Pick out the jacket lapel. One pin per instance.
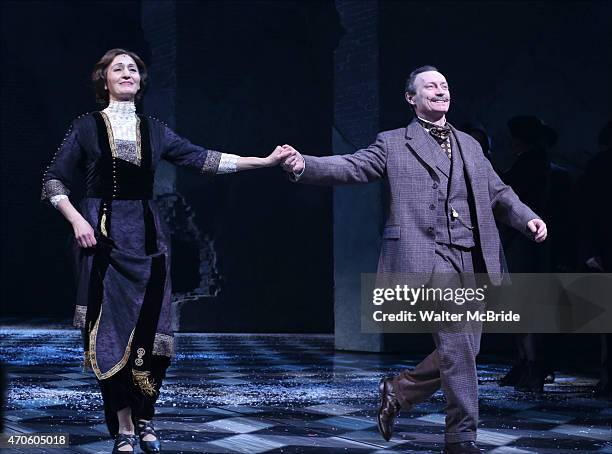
(417, 142)
(467, 154)
(455, 163)
(443, 164)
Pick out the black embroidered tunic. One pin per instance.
(123, 283)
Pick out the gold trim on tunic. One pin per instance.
(211, 162)
(163, 345)
(80, 313)
(94, 359)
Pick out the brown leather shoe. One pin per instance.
(463, 447)
(389, 408)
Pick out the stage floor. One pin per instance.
(284, 393)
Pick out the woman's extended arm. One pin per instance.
(250, 163)
(180, 151)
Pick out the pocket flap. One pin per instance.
(391, 231)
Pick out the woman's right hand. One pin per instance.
(83, 233)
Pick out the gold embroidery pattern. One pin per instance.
(103, 224)
(86, 361)
(138, 141)
(126, 151)
(109, 131)
(143, 380)
(111, 138)
(111, 141)
(139, 361)
(53, 187)
(163, 345)
(79, 316)
(92, 353)
(211, 163)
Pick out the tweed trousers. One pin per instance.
(452, 365)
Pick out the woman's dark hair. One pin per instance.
(98, 76)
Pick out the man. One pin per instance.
(442, 194)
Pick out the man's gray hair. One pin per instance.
(410, 89)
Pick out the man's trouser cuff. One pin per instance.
(458, 437)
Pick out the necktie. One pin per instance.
(442, 135)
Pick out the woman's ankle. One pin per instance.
(126, 430)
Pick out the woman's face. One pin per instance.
(122, 78)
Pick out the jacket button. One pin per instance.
(430, 229)
(435, 185)
(432, 207)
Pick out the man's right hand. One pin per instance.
(294, 162)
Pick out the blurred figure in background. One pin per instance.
(478, 132)
(547, 187)
(595, 249)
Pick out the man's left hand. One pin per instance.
(293, 160)
(538, 228)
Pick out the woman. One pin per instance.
(123, 256)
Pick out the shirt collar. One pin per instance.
(121, 108)
(428, 124)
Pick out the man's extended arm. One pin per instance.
(363, 166)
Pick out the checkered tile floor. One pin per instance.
(284, 393)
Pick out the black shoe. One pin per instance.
(532, 380)
(389, 408)
(513, 376)
(463, 447)
(122, 440)
(145, 428)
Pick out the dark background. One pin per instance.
(246, 76)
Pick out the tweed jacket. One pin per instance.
(404, 160)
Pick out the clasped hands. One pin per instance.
(288, 158)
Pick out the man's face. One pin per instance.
(431, 99)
